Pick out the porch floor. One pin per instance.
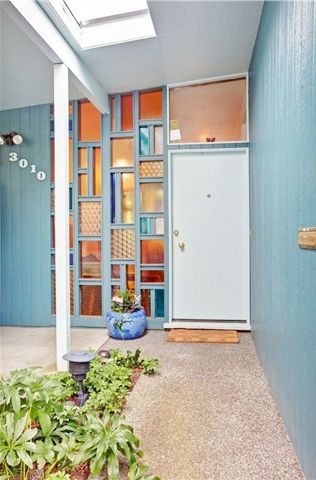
(22, 347)
(208, 414)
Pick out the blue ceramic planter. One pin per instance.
(126, 326)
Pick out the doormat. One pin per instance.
(183, 335)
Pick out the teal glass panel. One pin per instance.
(145, 226)
(144, 141)
(159, 303)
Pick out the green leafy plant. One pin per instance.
(149, 365)
(104, 439)
(16, 444)
(133, 360)
(139, 472)
(58, 476)
(125, 301)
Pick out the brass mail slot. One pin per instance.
(307, 237)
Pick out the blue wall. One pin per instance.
(25, 221)
(283, 198)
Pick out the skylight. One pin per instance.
(96, 23)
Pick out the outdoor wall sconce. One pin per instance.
(12, 138)
(79, 363)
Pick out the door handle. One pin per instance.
(181, 245)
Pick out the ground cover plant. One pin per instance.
(44, 435)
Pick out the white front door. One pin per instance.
(209, 239)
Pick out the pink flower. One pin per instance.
(117, 299)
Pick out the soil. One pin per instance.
(137, 371)
(80, 472)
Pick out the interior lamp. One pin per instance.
(12, 138)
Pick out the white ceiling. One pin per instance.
(195, 39)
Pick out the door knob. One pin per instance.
(175, 233)
(181, 245)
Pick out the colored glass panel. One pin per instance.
(83, 157)
(208, 112)
(115, 272)
(113, 114)
(71, 231)
(151, 169)
(158, 140)
(145, 226)
(146, 301)
(114, 290)
(152, 251)
(83, 184)
(97, 171)
(127, 112)
(152, 276)
(122, 152)
(127, 198)
(150, 105)
(90, 218)
(159, 303)
(151, 198)
(91, 300)
(159, 226)
(112, 197)
(130, 277)
(143, 141)
(123, 243)
(90, 259)
(52, 199)
(89, 123)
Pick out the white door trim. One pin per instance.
(197, 324)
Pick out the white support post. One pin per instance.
(61, 100)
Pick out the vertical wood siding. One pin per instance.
(283, 198)
(25, 221)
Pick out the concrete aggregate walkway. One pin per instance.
(208, 414)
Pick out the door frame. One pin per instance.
(218, 325)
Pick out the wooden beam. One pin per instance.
(40, 29)
(61, 100)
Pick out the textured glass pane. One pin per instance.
(152, 276)
(83, 184)
(89, 123)
(144, 141)
(151, 169)
(150, 105)
(114, 290)
(52, 160)
(158, 139)
(145, 226)
(70, 198)
(151, 197)
(52, 199)
(123, 243)
(90, 218)
(90, 300)
(52, 231)
(208, 112)
(130, 277)
(127, 112)
(127, 200)
(83, 157)
(52, 259)
(152, 251)
(159, 303)
(122, 152)
(71, 231)
(90, 259)
(97, 171)
(159, 224)
(113, 114)
(112, 197)
(145, 301)
(115, 272)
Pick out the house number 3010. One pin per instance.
(23, 163)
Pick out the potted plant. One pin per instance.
(127, 318)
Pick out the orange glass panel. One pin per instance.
(115, 272)
(127, 200)
(152, 276)
(89, 122)
(152, 251)
(91, 300)
(83, 157)
(90, 259)
(151, 197)
(209, 112)
(122, 152)
(52, 160)
(130, 277)
(97, 171)
(113, 114)
(83, 184)
(145, 301)
(150, 105)
(127, 112)
(71, 231)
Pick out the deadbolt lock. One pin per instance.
(175, 233)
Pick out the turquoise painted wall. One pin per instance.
(283, 198)
(25, 221)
